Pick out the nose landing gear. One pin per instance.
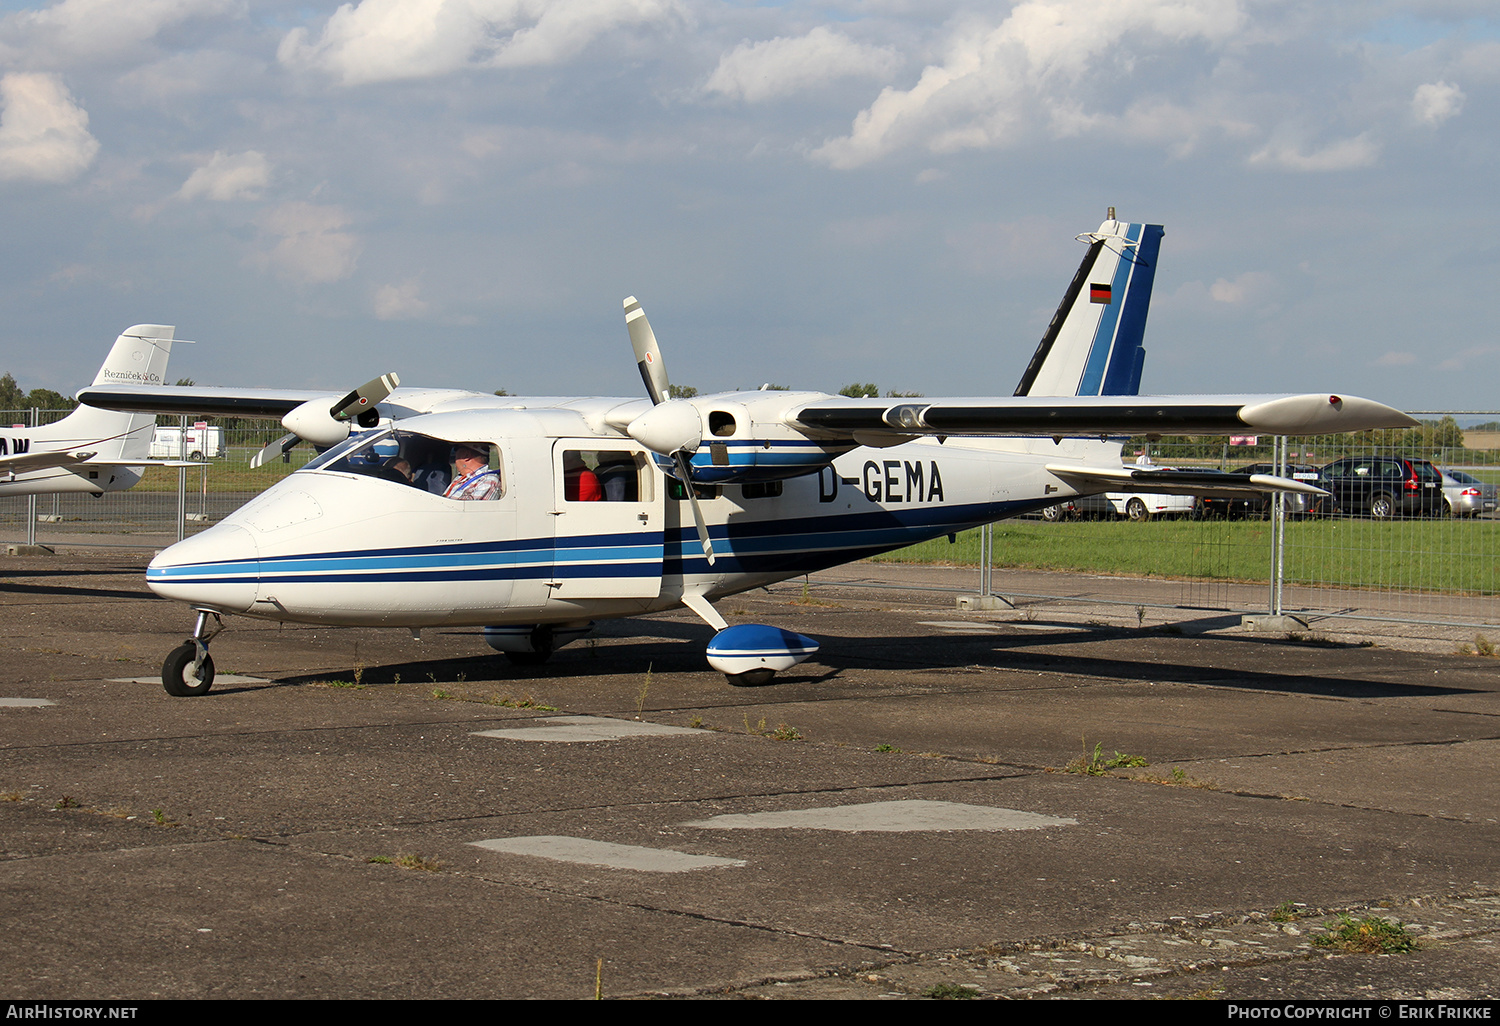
(189, 669)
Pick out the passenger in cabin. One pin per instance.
(472, 476)
(428, 458)
(618, 477)
(400, 466)
(580, 484)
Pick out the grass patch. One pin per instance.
(781, 732)
(1095, 765)
(418, 862)
(1407, 555)
(1482, 647)
(1372, 935)
(1286, 912)
(950, 992)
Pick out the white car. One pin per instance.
(1131, 505)
(1138, 506)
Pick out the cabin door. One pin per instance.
(608, 516)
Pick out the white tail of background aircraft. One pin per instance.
(92, 450)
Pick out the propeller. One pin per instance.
(672, 427)
(328, 425)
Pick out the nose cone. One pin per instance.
(219, 568)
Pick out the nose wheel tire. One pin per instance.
(177, 674)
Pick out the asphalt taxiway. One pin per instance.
(351, 813)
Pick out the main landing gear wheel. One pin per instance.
(178, 676)
(751, 678)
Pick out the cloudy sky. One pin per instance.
(463, 191)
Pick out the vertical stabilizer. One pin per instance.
(139, 357)
(1094, 344)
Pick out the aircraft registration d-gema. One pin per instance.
(594, 508)
(93, 450)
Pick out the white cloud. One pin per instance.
(1244, 288)
(224, 178)
(400, 302)
(74, 31)
(385, 40)
(1396, 359)
(785, 66)
(1343, 155)
(44, 135)
(310, 248)
(1028, 72)
(1436, 102)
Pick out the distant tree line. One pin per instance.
(12, 398)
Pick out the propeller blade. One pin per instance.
(275, 450)
(647, 352)
(685, 472)
(364, 397)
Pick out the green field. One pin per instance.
(229, 473)
(1414, 555)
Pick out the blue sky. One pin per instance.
(463, 191)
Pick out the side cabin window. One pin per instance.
(604, 475)
(678, 493)
(464, 470)
(761, 489)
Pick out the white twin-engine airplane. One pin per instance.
(580, 510)
(93, 450)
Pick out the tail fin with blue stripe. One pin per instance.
(1094, 344)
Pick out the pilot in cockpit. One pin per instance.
(472, 476)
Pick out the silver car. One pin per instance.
(1466, 496)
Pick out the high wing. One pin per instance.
(207, 401)
(1084, 416)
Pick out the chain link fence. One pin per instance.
(1409, 532)
(167, 504)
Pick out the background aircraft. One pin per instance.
(92, 450)
(616, 507)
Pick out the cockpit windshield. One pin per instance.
(412, 459)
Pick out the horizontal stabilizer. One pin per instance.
(1176, 482)
(41, 461)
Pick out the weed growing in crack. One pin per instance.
(1372, 935)
(1096, 765)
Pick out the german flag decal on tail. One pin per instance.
(1099, 292)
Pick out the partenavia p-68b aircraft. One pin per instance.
(93, 450)
(591, 508)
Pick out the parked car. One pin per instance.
(1381, 487)
(1297, 504)
(1465, 495)
(1131, 505)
